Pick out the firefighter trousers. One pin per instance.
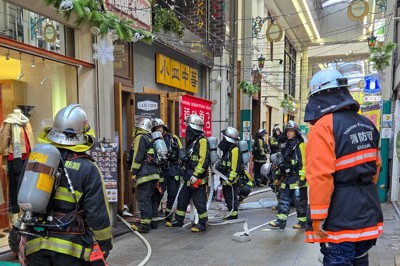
(48, 257)
(289, 197)
(231, 198)
(147, 197)
(171, 185)
(199, 197)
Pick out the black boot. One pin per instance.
(299, 225)
(144, 228)
(199, 228)
(232, 217)
(174, 224)
(278, 223)
(169, 217)
(154, 224)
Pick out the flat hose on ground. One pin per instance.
(144, 240)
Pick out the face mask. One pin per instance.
(191, 133)
(224, 145)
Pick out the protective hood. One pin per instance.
(90, 138)
(329, 101)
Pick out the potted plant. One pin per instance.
(380, 55)
(248, 88)
(167, 20)
(287, 105)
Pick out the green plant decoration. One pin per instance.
(380, 55)
(167, 20)
(248, 88)
(89, 11)
(287, 104)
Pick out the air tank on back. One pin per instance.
(38, 182)
(213, 148)
(244, 150)
(159, 144)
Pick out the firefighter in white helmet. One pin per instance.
(195, 163)
(72, 245)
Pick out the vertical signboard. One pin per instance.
(193, 105)
(163, 69)
(147, 105)
(175, 74)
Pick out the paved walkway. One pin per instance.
(215, 247)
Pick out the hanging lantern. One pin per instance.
(371, 41)
(261, 61)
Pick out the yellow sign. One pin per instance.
(185, 71)
(175, 74)
(358, 9)
(163, 69)
(194, 80)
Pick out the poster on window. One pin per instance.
(193, 105)
(105, 156)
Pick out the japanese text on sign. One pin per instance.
(193, 105)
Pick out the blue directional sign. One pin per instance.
(372, 84)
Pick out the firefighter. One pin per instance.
(146, 172)
(260, 152)
(230, 166)
(292, 180)
(195, 163)
(72, 135)
(274, 144)
(170, 170)
(342, 171)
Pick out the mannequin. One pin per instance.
(16, 142)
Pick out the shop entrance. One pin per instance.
(125, 103)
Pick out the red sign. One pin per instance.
(137, 10)
(193, 105)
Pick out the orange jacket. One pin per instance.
(342, 169)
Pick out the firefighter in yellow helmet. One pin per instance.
(72, 244)
(195, 163)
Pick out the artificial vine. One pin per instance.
(380, 55)
(89, 11)
(248, 88)
(166, 19)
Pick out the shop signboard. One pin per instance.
(194, 105)
(105, 156)
(175, 74)
(136, 10)
(372, 84)
(147, 105)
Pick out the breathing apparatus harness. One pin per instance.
(49, 221)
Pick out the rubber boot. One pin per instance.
(154, 224)
(199, 228)
(144, 228)
(174, 224)
(278, 223)
(299, 225)
(168, 217)
(232, 217)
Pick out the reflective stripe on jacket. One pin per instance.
(343, 165)
(91, 194)
(199, 160)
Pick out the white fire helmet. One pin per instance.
(327, 79)
(231, 134)
(195, 122)
(69, 126)
(144, 123)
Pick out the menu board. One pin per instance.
(105, 156)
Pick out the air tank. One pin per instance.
(244, 150)
(38, 181)
(213, 149)
(159, 144)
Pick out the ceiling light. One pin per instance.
(7, 54)
(33, 62)
(321, 43)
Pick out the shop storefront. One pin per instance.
(39, 76)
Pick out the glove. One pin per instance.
(317, 228)
(133, 177)
(195, 182)
(250, 183)
(302, 181)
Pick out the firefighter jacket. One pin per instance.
(174, 146)
(342, 171)
(197, 160)
(292, 169)
(144, 164)
(230, 165)
(260, 151)
(274, 145)
(92, 218)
